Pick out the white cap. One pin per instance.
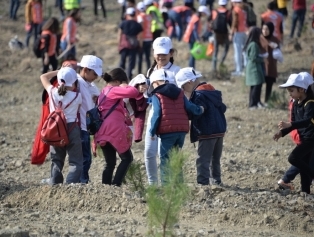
(140, 6)
(139, 79)
(236, 0)
(157, 75)
(68, 75)
(162, 45)
(130, 11)
(91, 62)
(222, 2)
(185, 75)
(203, 9)
(148, 2)
(302, 80)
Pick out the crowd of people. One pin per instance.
(165, 85)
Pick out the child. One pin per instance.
(254, 76)
(114, 136)
(33, 19)
(163, 59)
(194, 29)
(69, 30)
(90, 68)
(209, 128)
(49, 44)
(302, 114)
(169, 124)
(270, 63)
(65, 94)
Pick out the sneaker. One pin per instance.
(253, 108)
(236, 74)
(285, 186)
(260, 105)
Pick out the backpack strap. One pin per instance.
(111, 109)
(71, 101)
(308, 102)
(99, 103)
(60, 103)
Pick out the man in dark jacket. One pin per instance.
(209, 128)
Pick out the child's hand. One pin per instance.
(142, 88)
(277, 136)
(283, 125)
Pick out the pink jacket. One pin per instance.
(114, 128)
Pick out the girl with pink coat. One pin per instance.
(114, 135)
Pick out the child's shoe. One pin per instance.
(285, 186)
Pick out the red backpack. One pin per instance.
(54, 131)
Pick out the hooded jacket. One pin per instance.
(212, 123)
(170, 108)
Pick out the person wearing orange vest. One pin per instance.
(220, 18)
(271, 15)
(147, 37)
(49, 44)
(194, 29)
(69, 29)
(238, 35)
(33, 19)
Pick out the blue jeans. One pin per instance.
(191, 59)
(176, 18)
(131, 55)
(72, 51)
(14, 6)
(87, 156)
(36, 29)
(239, 39)
(298, 15)
(147, 45)
(167, 142)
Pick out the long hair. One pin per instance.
(254, 36)
(52, 24)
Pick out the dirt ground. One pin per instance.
(249, 203)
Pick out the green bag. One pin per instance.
(198, 51)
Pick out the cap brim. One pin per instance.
(161, 51)
(98, 71)
(285, 85)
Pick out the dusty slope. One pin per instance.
(249, 204)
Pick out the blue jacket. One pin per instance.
(171, 91)
(212, 123)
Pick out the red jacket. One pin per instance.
(298, 4)
(174, 118)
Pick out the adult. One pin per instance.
(220, 19)
(70, 5)
(299, 10)
(157, 19)
(129, 40)
(238, 35)
(14, 7)
(103, 8)
(271, 15)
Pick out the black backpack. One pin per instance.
(251, 18)
(220, 24)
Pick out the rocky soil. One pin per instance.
(249, 203)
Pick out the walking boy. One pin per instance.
(209, 128)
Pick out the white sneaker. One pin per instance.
(45, 181)
(260, 105)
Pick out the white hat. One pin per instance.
(140, 6)
(148, 2)
(139, 79)
(130, 11)
(157, 75)
(222, 2)
(185, 75)
(162, 45)
(302, 80)
(236, 0)
(203, 9)
(92, 62)
(67, 76)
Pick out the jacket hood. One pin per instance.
(214, 96)
(169, 90)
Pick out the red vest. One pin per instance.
(174, 118)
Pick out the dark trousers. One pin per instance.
(123, 12)
(131, 55)
(59, 3)
(87, 157)
(255, 95)
(269, 81)
(52, 61)
(216, 50)
(103, 8)
(36, 29)
(147, 45)
(111, 159)
(293, 171)
(301, 157)
(14, 7)
(298, 15)
(210, 4)
(156, 34)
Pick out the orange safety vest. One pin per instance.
(276, 19)
(241, 18)
(65, 30)
(146, 24)
(52, 42)
(189, 29)
(37, 13)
